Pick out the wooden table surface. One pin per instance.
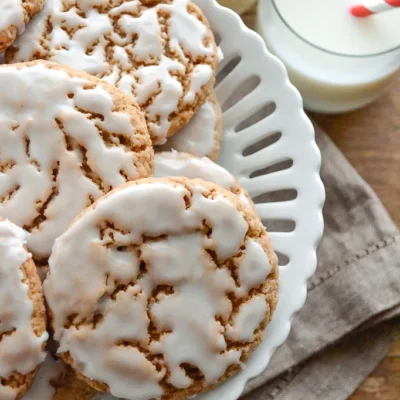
(370, 139)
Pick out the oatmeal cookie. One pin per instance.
(14, 15)
(23, 333)
(162, 52)
(161, 289)
(175, 163)
(66, 139)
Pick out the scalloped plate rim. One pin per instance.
(246, 374)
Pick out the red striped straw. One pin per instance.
(369, 7)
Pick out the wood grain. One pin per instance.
(370, 139)
(384, 382)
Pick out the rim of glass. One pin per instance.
(393, 49)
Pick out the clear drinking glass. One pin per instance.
(328, 81)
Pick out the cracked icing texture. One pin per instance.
(248, 318)
(174, 163)
(151, 289)
(163, 52)
(67, 138)
(202, 135)
(22, 317)
(13, 17)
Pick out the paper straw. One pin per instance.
(370, 7)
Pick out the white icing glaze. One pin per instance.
(196, 337)
(92, 259)
(201, 74)
(41, 388)
(12, 13)
(32, 147)
(125, 369)
(254, 268)
(148, 60)
(198, 136)
(247, 319)
(175, 163)
(20, 348)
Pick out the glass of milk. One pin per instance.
(337, 61)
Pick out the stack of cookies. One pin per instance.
(159, 279)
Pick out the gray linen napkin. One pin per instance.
(335, 341)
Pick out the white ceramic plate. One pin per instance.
(269, 145)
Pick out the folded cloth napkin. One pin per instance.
(345, 327)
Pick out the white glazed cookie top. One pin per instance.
(62, 146)
(174, 163)
(12, 13)
(199, 135)
(140, 285)
(42, 389)
(162, 54)
(20, 349)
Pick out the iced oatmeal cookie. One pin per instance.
(66, 139)
(161, 289)
(202, 135)
(162, 52)
(175, 163)
(14, 15)
(23, 333)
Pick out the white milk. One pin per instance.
(338, 62)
